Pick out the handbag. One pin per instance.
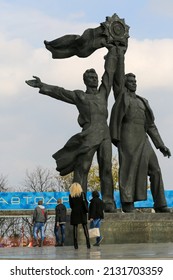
(85, 203)
(94, 232)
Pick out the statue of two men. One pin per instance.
(128, 131)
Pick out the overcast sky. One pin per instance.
(33, 126)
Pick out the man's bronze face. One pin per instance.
(91, 80)
(131, 83)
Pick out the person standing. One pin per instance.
(78, 204)
(39, 220)
(96, 214)
(60, 221)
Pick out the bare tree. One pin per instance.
(40, 180)
(3, 183)
(64, 182)
(94, 179)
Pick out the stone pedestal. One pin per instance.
(119, 228)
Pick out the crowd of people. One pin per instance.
(82, 213)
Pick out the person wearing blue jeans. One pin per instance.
(38, 227)
(39, 220)
(96, 214)
(96, 224)
(59, 241)
(60, 221)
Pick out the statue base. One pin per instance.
(122, 228)
(119, 228)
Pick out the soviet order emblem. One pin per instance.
(116, 30)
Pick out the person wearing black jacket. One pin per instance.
(60, 220)
(79, 208)
(96, 214)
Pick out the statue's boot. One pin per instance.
(163, 209)
(110, 207)
(128, 207)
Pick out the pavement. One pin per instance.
(146, 251)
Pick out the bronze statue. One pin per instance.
(131, 121)
(78, 152)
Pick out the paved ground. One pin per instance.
(145, 251)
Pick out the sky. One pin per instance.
(33, 126)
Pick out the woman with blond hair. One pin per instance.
(78, 205)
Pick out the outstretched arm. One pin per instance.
(34, 83)
(53, 91)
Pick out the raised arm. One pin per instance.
(119, 75)
(110, 67)
(53, 91)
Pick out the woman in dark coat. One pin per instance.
(78, 205)
(96, 214)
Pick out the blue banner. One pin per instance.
(29, 200)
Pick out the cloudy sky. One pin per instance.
(33, 126)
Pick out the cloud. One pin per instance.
(35, 126)
(151, 60)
